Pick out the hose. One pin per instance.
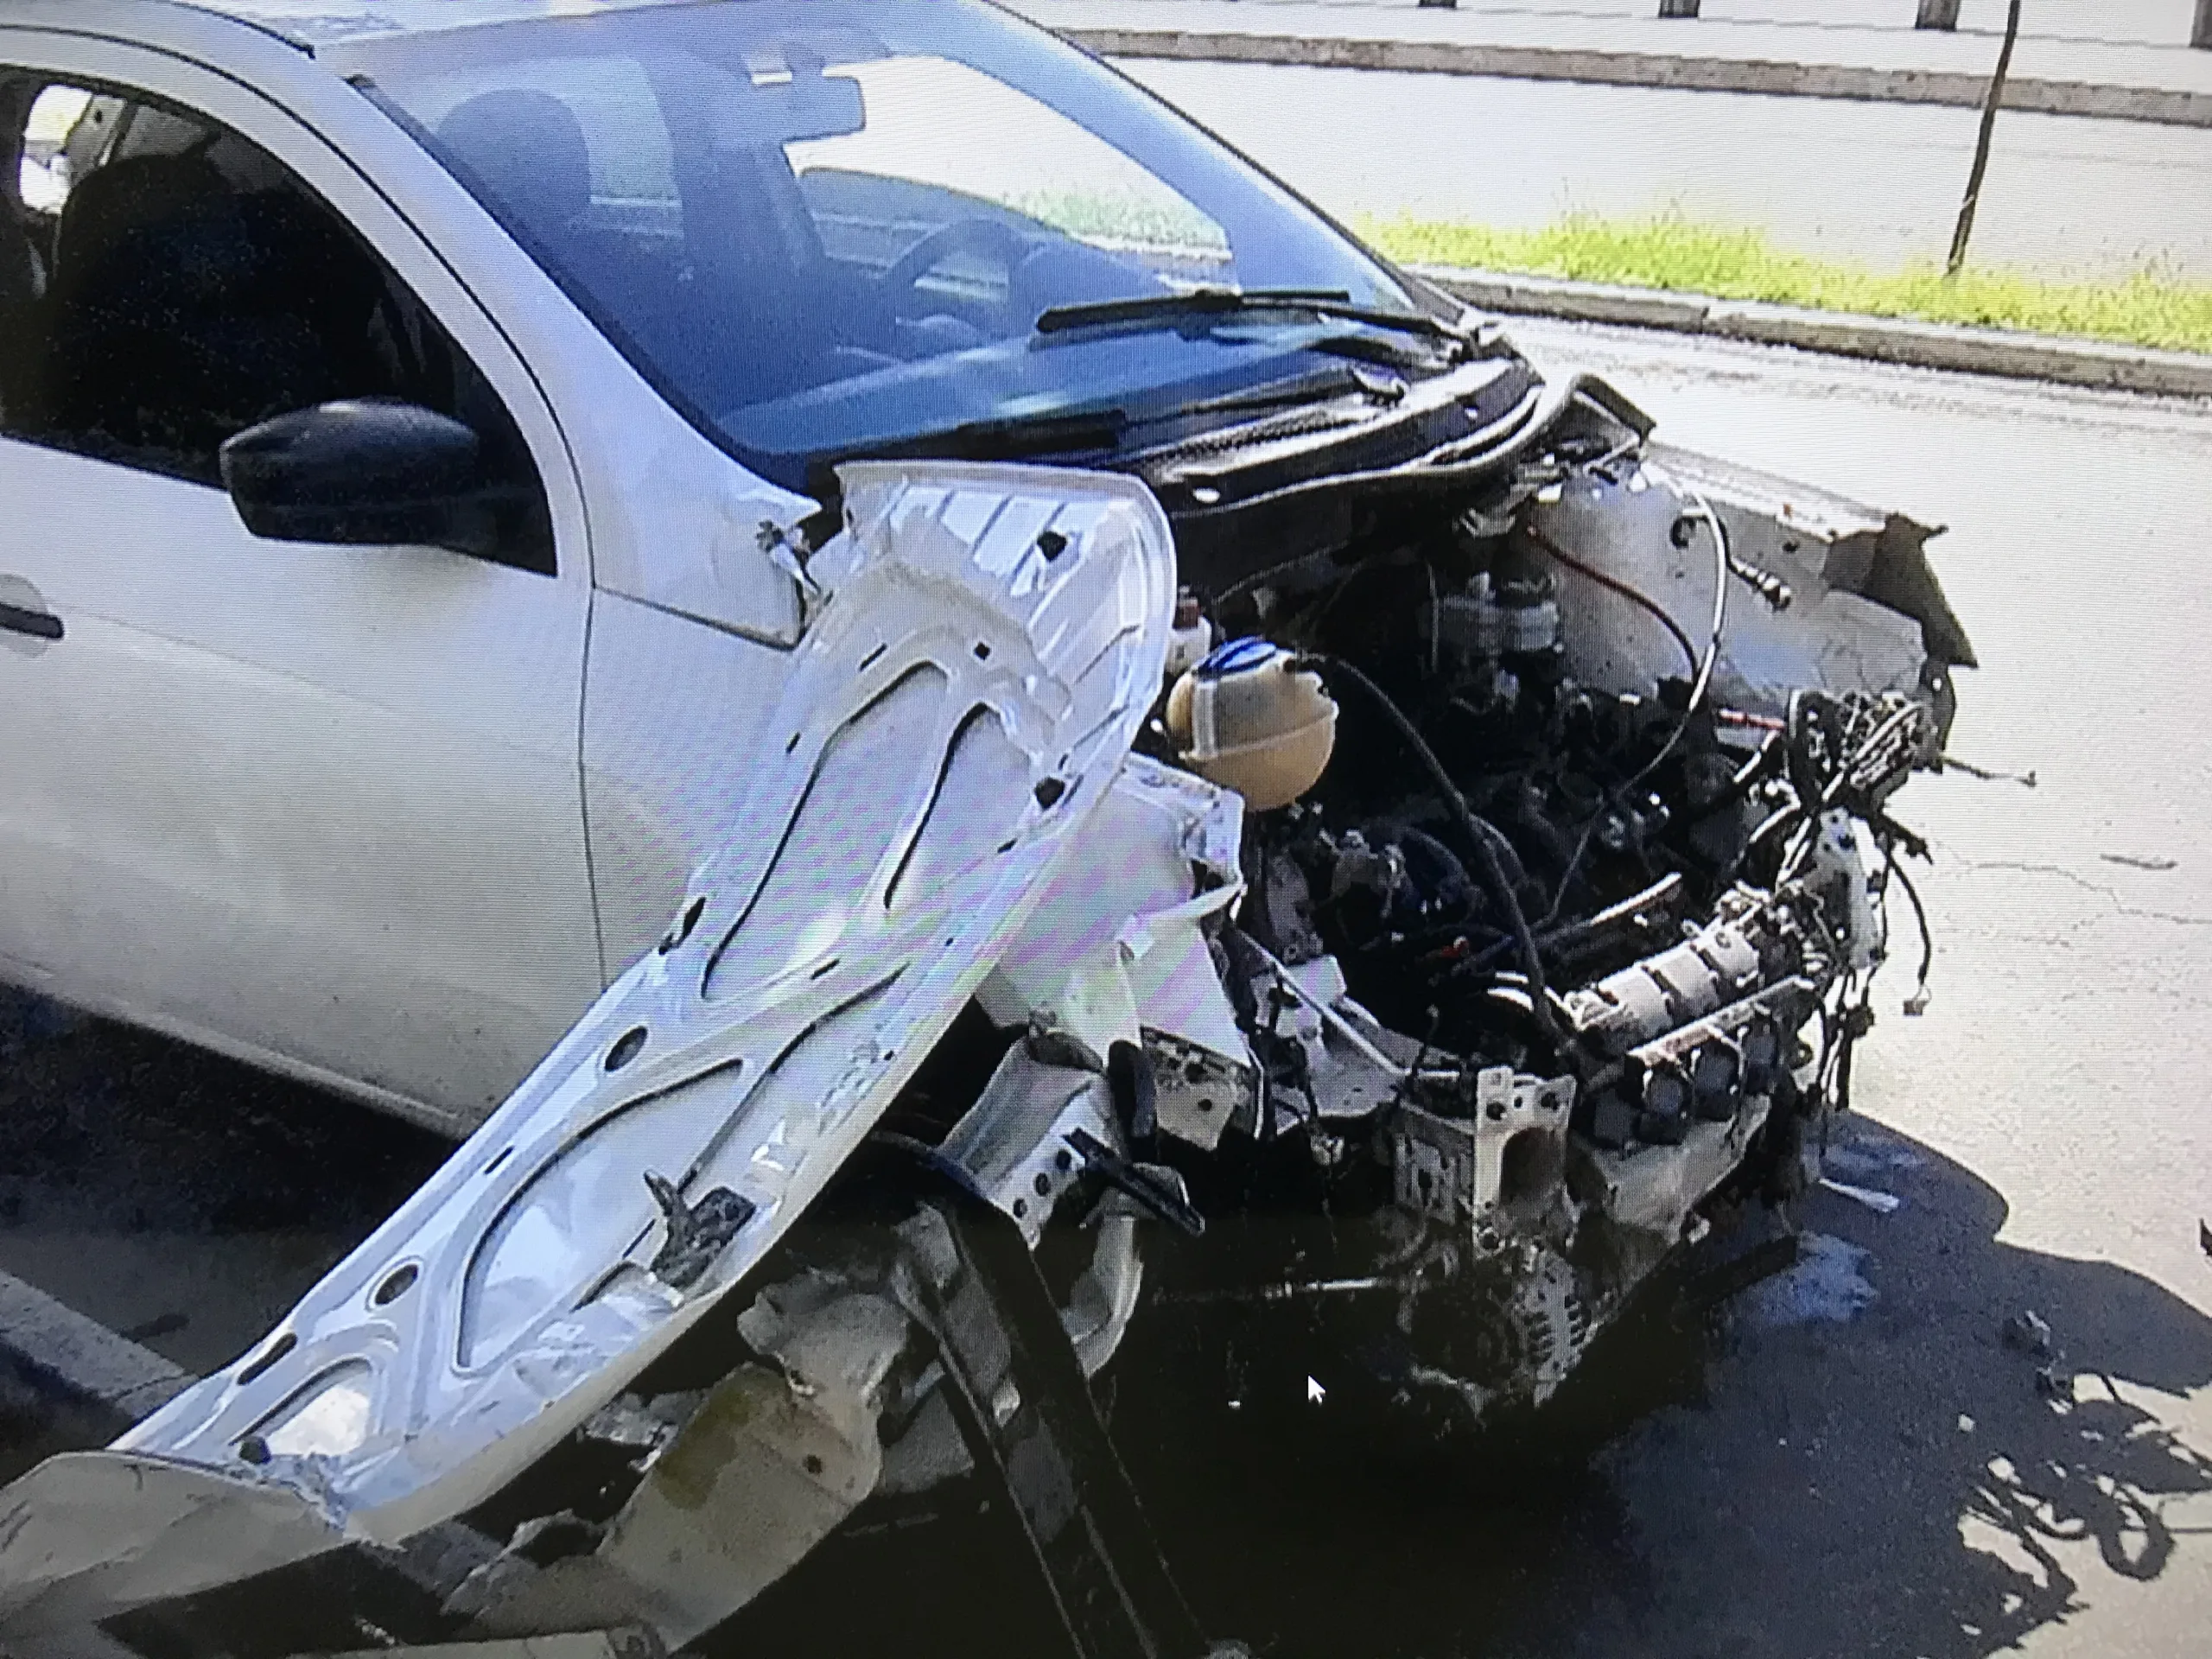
(1477, 832)
(1723, 560)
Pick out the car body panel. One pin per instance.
(310, 797)
(674, 715)
(89, 1533)
(313, 24)
(859, 904)
(259, 782)
(501, 967)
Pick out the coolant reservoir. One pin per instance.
(1249, 718)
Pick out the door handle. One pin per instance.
(21, 618)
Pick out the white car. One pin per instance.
(389, 815)
(606, 577)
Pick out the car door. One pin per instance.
(319, 806)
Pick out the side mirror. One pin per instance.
(364, 472)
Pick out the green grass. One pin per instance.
(1163, 220)
(2147, 308)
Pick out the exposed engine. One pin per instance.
(1557, 954)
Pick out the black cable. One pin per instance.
(1476, 831)
(1702, 678)
(1918, 1002)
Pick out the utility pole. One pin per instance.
(1937, 14)
(2201, 35)
(1958, 258)
(1678, 8)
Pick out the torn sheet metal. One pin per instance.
(993, 635)
(87, 1533)
(1119, 947)
(766, 1467)
(1864, 609)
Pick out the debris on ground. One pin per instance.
(2029, 1333)
(1882, 1204)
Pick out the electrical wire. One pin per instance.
(1917, 1002)
(1703, 679)
(1615, 585)
(1435, 619)
(1479, 832)
(1896, 721)
(1723, 559)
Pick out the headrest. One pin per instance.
(526, 150)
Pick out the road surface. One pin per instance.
(1854, 1463)
(1873, 184)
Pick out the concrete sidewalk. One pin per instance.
(2124, 60)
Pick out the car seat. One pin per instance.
(176, 320)
(20, 281)
(524, 152)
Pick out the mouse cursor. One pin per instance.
(1314, 1392)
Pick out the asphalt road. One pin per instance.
(1852, 1462)
(1876, 184)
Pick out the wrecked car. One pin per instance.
(1023, 725)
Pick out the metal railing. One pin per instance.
(1944, 14)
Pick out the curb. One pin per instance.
(69, 1362)
(1881, 340)
(2167, 105)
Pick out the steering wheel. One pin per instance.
(976, 235)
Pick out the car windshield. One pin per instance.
(829, 227)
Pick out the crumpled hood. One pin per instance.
(989, 638)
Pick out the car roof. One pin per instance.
(310, 23)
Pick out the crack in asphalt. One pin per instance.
(1976, 866)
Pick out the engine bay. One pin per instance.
(1561, 955)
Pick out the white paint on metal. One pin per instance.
(1821, 545)
(755, 1052)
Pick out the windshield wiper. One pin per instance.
(1007, 437)
(1200, 302)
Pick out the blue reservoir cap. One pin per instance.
(1237, 656)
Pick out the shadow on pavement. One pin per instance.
(1850, 1459)
(1898, 1481)
(183, 1197)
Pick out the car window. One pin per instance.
(824, 227)
(182, 285)
(625, 162)
(64, 122)
(930, 127)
